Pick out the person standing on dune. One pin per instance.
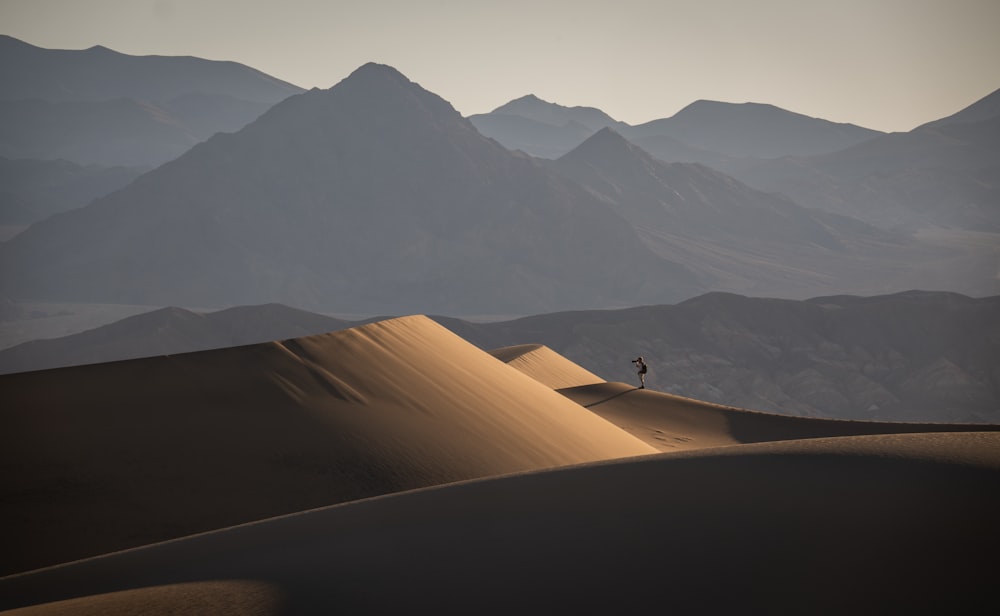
(640, 365)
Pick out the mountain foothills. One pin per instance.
(914, 356)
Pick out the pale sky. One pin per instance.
(884, 64)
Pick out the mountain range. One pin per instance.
(940, 174)
(372, 196)
(909, 356)
(98, 106)
(738, 238)
(704, 131)
(376, 197)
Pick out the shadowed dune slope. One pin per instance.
(110, 456)
(868, 524)
(675, 423)
(545, 366)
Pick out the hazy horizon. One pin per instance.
(889, 66)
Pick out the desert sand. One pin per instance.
(117, 455)
(396, 467)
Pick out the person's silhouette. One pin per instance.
(640, 365)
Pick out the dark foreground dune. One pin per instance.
(896, 524)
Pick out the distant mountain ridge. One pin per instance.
(753, 129)
(371, 196)
(941, 174)
(704, 131)
(984, 109)
(740, 239)
(104, 107)
(944, 174)
(101, 74)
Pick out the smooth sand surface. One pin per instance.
(675, 423)
(897, 524)
(104, 457)
(545, 366)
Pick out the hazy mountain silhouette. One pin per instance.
(707, 132)
(985, 108)
(31, 190)
(373, 196)
(943, 173)
(101, 106)
(540, 128)
(743, 240)
(534, 108)
(100, 74)
(531, 136)
(752, 129)
(909, 356)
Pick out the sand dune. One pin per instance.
(110, 456)
(545, 366)
(868, 524)
(675, 423)
(467, 484)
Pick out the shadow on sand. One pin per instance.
(610, 398)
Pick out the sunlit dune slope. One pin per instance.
(109, 456)
(870, 524)
(545, 366)
(675, 423)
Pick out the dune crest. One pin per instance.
(672, 423)
(545, 366)
(675, 423)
